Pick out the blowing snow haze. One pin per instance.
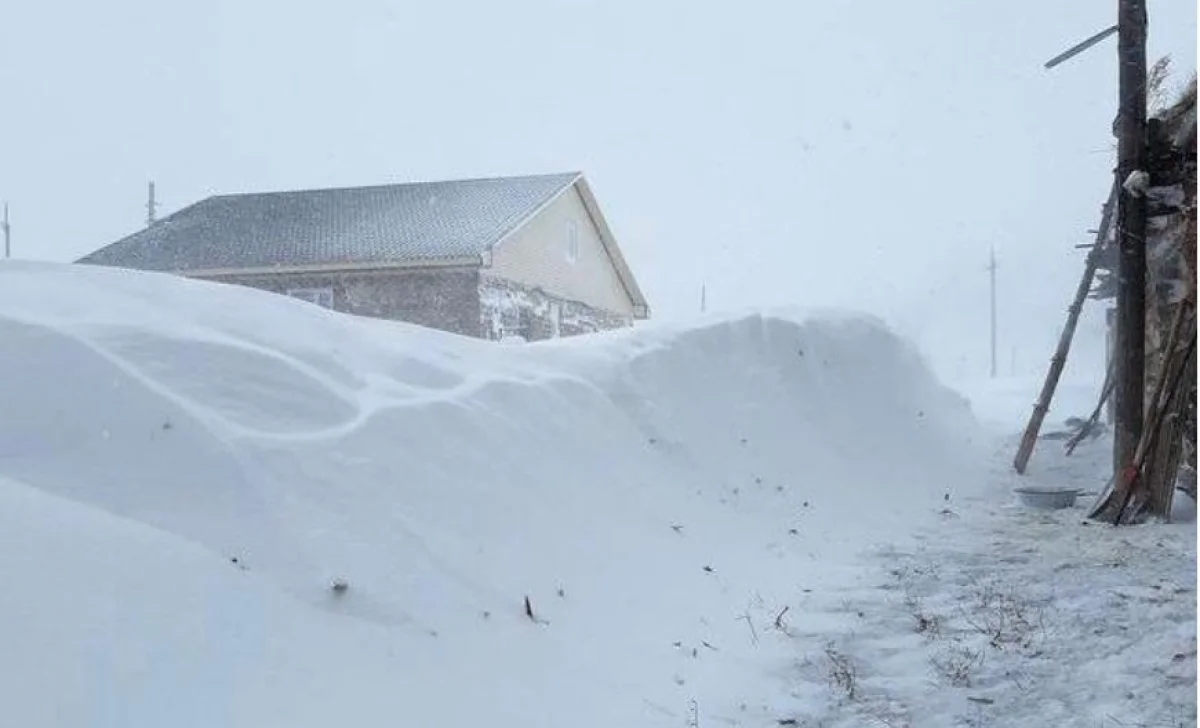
(814, 154)
(453, 478)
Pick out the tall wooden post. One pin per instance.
(992, 276)
(7, 234)
(1129, 394)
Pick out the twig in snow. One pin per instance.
(927, 623)
(1006, 618)
(842, 672)
(956, 666)
(750, 624)
(779, 619)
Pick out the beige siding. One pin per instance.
(539, 255)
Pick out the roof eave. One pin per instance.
(641, 306)
(471, 261)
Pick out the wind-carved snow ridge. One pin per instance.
(313, 519)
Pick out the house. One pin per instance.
(529, 256)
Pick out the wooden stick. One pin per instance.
(1088, 426)
(1127, 479)
(1162, 471)
(750, 624)
(1129, 476)
(779, 618)
(1151, 440)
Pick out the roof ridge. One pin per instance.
(390, 185)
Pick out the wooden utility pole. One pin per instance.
(1129, 392)
(151, 207)
(1059, 360)
(7, 234)
(992, 275)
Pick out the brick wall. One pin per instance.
(506, 307)
(459, 300)
(443, 298)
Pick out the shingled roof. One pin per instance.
(402, 223)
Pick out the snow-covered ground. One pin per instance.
(748, 520)
(1001, 616)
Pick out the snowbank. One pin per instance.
(658, 495)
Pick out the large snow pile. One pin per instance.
(186, 469)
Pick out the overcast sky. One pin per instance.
(836, 153)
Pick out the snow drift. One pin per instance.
(187, 467)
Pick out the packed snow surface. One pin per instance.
(225, 507)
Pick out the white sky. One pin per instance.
(862, 154)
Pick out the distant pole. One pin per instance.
(7, 234)
(703, 298)
(1129, 393)
(992, 276)
(151, 206)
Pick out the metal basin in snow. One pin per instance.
(1048, 499)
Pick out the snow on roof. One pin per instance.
(425, 221)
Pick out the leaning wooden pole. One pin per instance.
(1129, 397)
(1090, 425)
(1059, 360)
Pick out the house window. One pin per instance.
(572, 241)
(321, 296)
